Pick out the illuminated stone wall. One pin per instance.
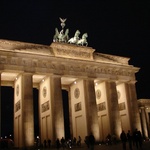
(95, 103)
(79, 120)
(123, 107)
(18, 137)
(23, 111)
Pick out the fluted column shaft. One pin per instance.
(113, 108)
(57, 107)
(135, 116)
(27, 110)
(91, 108)
(144, 123)
(0, 108)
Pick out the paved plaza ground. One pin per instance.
(118, 146)
(146, 146)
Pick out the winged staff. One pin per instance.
(62, 22)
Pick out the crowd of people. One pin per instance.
(61, 143)
(69, 143)
(89, 141)
(133, 139)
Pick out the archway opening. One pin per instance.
(66, 114)
(36, 111)
(7, 111)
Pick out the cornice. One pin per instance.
(65, 50)
(23, 47)
(99, 57)
(144, 102)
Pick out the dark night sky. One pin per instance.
(113, 27)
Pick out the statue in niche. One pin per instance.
(74, 39)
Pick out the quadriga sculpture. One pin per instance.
(74, 39)
(60, 36)
(83, 40)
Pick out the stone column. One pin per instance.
(91, 108)
(113, 108)
(134, 111)
(57, 107)
(148, 122)
(27, 110)
(144, 123)
(70, 110)
(0, 108)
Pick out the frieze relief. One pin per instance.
(122, 106)
(101, 106)
(3, 59)
(72, 53)
(35, 63)
(76, 67)
(61, 67)
(52, 66)
(14, 61)
(17, 106)
(78, 107)
(45, 106)
(44, 64)
(26, 62)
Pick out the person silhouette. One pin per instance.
(49, 143)
(123, 138)
(130, 139)
(91, 141)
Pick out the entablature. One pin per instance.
(62, 66)
(15, 57)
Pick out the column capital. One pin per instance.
(131, 81)
(142, 107)
(27, 73)
(54, 75)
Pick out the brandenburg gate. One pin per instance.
(101, 90)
